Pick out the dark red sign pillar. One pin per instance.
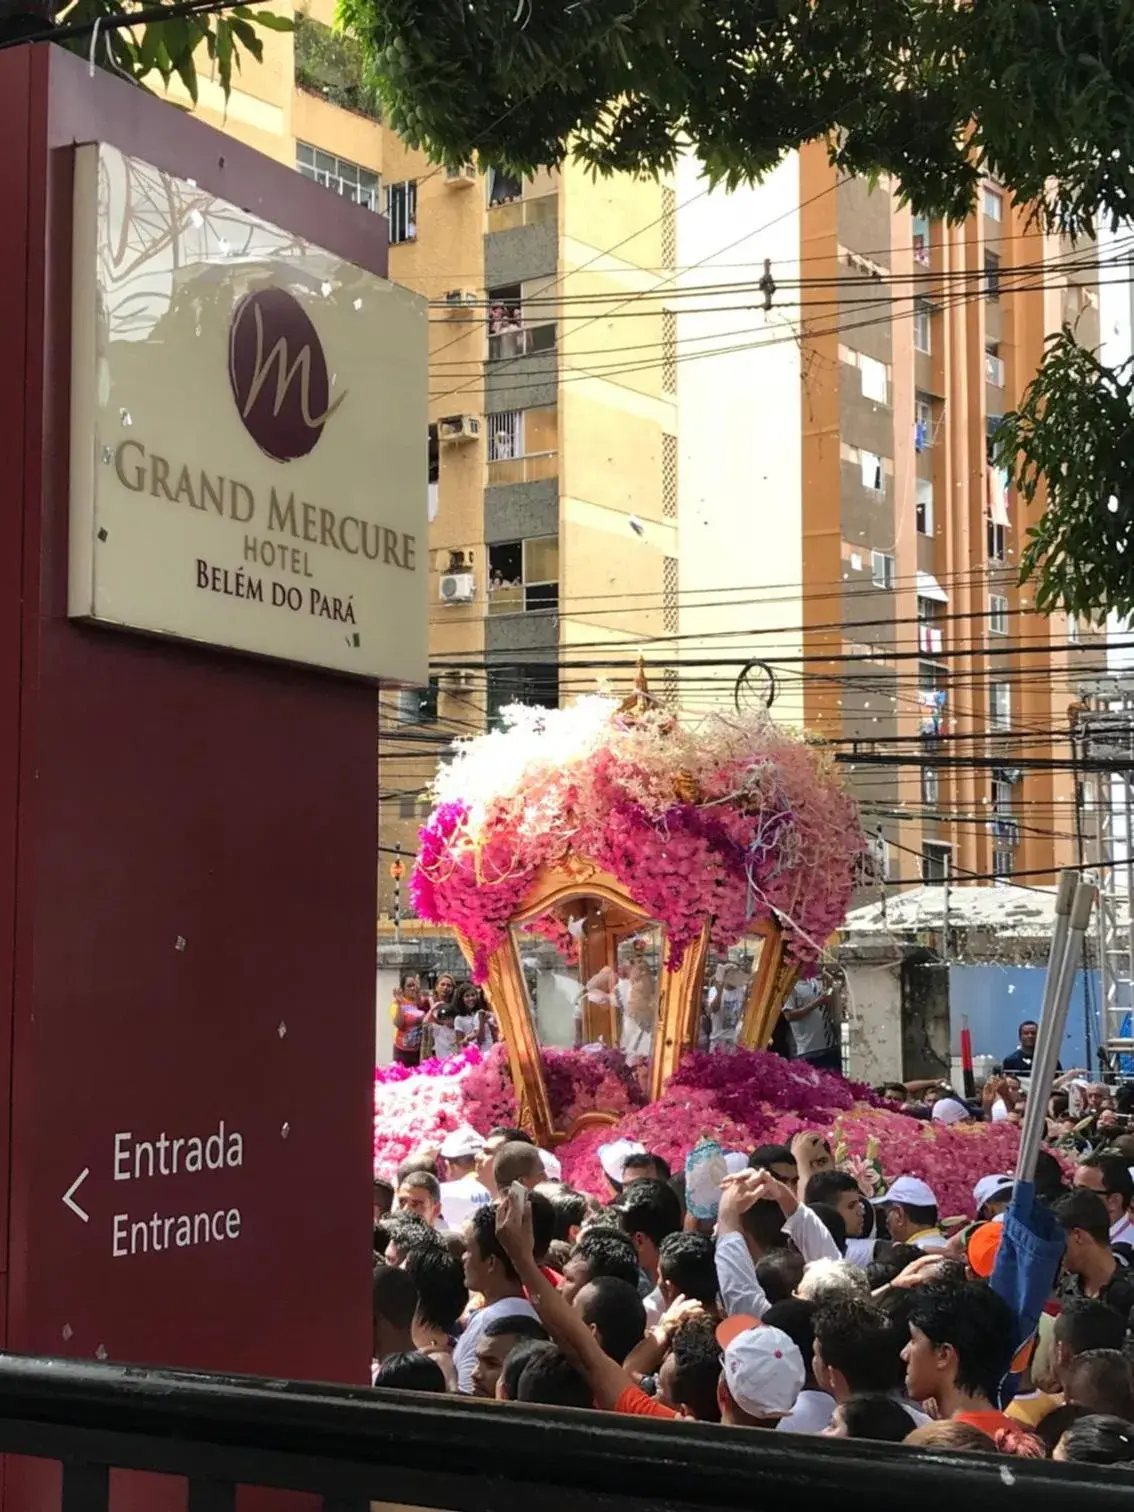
(187, 877)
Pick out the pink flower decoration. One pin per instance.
(740, 1100)
(770, 833)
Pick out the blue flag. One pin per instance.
(1027, 1264)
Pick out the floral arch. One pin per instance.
(615, 839)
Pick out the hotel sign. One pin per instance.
(248, 432)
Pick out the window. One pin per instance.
(993, 203)
(871, 471)
(874, 382)
(419, 705)
(401, 210)
(505, 321)
(882, 569)
(997, 614)
(505, 435)
(922, 317)
(503, 187)
(1000, 705)
(929, 636)
(991, 276)
(924, 431)
(508, 336)
(532, 683)
(1001, 791)
(522, 445)
(340, 175)
(920, 226)
(880, 854)
(935, 861)
(930, 787)
(993, 365)
(997, 541)
(1073, 629)
(925, 506)
(1002, 862)
(930, 675)
(434, 455)
(523, 576)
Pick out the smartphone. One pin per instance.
(519, 1194)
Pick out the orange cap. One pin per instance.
(981, 1250)
(733, 1327)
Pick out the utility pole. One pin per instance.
(397, 872)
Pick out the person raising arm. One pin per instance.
(613, 1388)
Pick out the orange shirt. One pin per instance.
(635, 1401)
(990, 1422)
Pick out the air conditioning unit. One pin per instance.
(465, 173)
(458, 428)
(459, 298)
(457, 588)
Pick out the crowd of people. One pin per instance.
(801, 1305)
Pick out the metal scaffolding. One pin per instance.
(1103, 730)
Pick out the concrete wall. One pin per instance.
(874, 1022)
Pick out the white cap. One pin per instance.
(613, 1157)
(462, 1144)
(764, 1371)
(735, 1162)
(989, 1187)
(948, 1110)
(552, 1166)
(910, 1190)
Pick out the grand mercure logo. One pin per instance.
(278, 373)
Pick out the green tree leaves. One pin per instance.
(157, 51)
(1073, 435)
(1038, 93)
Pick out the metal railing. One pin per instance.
(352, 1446)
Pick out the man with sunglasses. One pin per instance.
(1108, 1174)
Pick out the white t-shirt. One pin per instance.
(860, 1251)
(461, 1198)
(444, 1040)
(655, 1308)
(812, 1033)
(464, 1355)
(811, 1414)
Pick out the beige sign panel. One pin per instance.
(248, 446)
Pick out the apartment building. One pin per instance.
(552, 437)
(801, 377)
(872, 548)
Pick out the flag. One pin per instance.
(1027, 1263)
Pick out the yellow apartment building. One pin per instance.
(553, 488)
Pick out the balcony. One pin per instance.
(532, 468)
(519, 341)
(510, 214)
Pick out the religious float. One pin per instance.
(597, 863)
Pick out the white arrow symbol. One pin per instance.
(69, 1195)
